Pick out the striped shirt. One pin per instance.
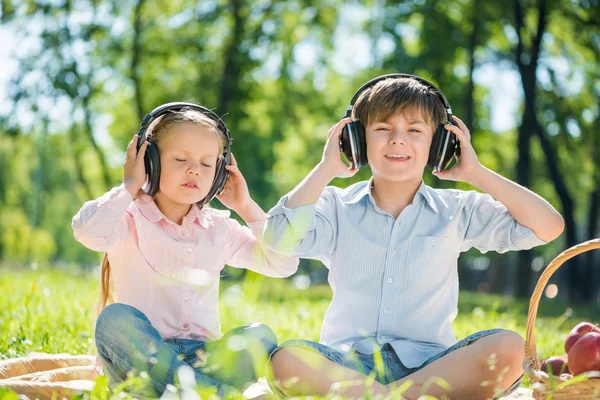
(394, 280)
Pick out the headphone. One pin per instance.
(444, 145)
(152, 156)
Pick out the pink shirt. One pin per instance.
(171, 272)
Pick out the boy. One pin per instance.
(391, 246)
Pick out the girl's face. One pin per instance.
(188, 157)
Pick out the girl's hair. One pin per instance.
(157, 132)
(390, 97)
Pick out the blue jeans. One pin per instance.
(385, 365)
(127, 341)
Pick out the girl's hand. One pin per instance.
(235, 194)
(331, 160)
(134, 172)
(467, 162)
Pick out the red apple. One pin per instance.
(585, 354)
(577, 332)
(555, 366)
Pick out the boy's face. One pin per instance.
(398, 148)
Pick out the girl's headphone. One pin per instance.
(444, 144)
(152, 156)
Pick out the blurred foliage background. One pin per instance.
(76, 77)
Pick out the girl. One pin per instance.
(165, 252)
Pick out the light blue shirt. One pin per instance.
(394, 281)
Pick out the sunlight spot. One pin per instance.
(196, 277)
(478, 312)
(232, 296)
(551, 291)
(47, 292)
(302, 282)
(236, 343)
(186, 376)
(537, 264)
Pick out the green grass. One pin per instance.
(53, 311)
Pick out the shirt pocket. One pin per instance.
(428, 260)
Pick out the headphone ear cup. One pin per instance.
(434, 149)
(361, 144)
(353, 144)
(442, 149)
(152, 164)
(219, 182)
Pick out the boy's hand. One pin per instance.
(467, 162)
(331, 160)
(134, 172)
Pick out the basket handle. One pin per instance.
(530, 350)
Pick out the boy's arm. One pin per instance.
(525, 207)
(303, 222)
(331, 166)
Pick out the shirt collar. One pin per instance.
(364, 189)
(150, 210)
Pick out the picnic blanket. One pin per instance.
(39, 375)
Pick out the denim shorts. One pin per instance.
(384, 365)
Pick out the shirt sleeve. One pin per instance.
(489, 226)
(308, 231)
(102, 224)
(247, 250)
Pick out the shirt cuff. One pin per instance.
(257, 227)
(301, 219)
(528, 240)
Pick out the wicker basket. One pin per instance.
(554, 387)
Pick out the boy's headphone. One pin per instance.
(152, 156)
(444, 144)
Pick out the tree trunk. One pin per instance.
(470, 102)
(527, 61)
(231, 67)
(135, 59)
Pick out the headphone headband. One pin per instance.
(178, 106)
(425, 82)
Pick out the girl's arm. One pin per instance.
(247, 250)
(102, 224)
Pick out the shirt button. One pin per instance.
(189, 250)
(394, 251)
(433, 242)
(186, 299)
(390, 280)
(186, 325)
(390, 219)
(386, 311)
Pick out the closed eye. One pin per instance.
(414, 130)
(180, 160)
(206, 165)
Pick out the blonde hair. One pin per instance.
(157, 132)
(394, 96)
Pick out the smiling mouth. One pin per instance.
(190, 185)
(397, 157)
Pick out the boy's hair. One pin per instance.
(157, 131)
(394, 96)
